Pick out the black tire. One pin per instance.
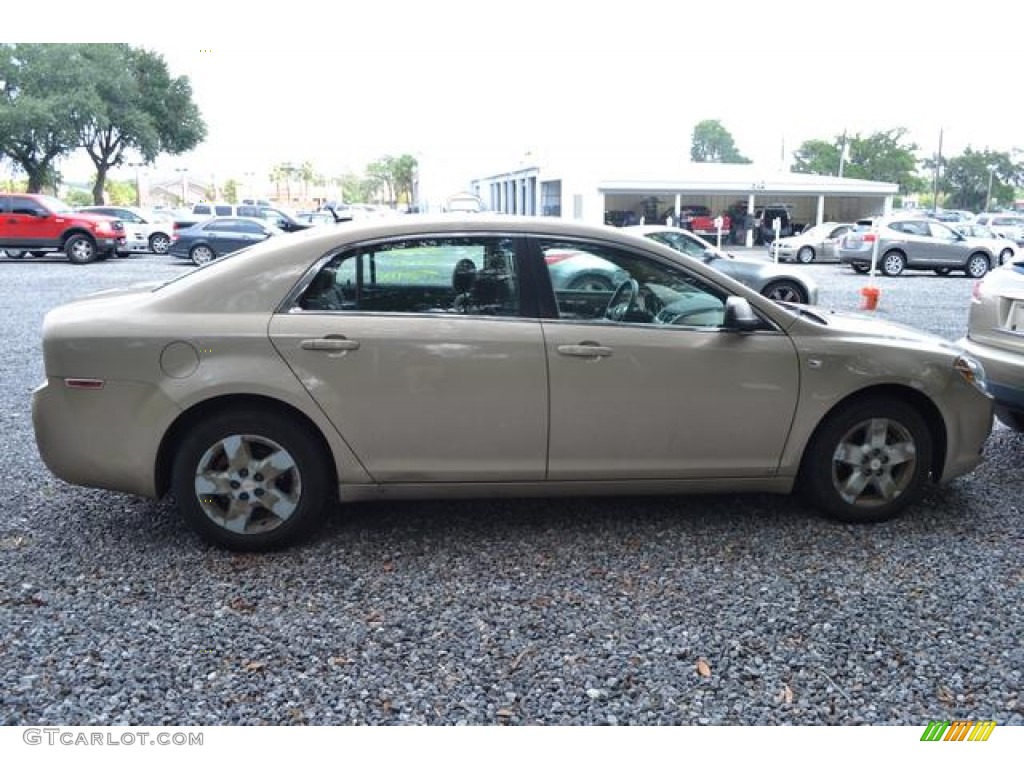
(38, 254)
(943, 271)
(805, 255)
(892, 264)
(159, 243)
(591, 283)
(861, 269)
(867, 460)
(977, 266)
(81, 249)
(1013, 419)
(786, 290)
(12, 253)
(295, 499)
(202, 254)
(1005, 255)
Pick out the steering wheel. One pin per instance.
(624, 300)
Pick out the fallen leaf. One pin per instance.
(241, 605)
(945, 695)
(785, 696)
(337, 661)
(254, 666)
(703, 668)
(505, 712)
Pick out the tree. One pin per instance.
(712, 143)
(231, 191)
(967, 177)
(133, 104)
(41, 96)
(882, 156)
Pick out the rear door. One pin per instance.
(32, 225)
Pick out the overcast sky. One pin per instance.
(475, 86)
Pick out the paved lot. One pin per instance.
(725, 610)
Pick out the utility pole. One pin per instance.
(842, 154)
(938, 166)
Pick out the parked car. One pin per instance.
(1009, 225)
(316, 218)
(144, 230)
(278, 217)
(915, 243)
(219, 236)
(347, 363)
(38, 224)
(819, 243)
(767, 279)
(995, 336)
(1000, 244)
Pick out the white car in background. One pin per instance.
(144, 230)
(1008, 225)
(819, 243)
(1004, 247)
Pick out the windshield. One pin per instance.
(55, 205)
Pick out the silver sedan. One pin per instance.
(819, 243)
(767, 279)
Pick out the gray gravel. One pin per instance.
(720, 610)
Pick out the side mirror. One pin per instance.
(709, 255)
(739, 316)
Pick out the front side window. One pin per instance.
(27, 207)
(449, 275)
(598, 283)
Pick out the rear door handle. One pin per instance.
(585, 349)
(330, 344)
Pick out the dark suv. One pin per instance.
(38, 224)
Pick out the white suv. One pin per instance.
(144, 230)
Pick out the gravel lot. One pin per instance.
(722, 610)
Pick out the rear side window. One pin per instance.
(223, 210)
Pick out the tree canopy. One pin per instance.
(966, 180)
(106, 98)
(712, 143)
(880, 156)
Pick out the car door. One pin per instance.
(947, 247)
(31, 224)
(651, 386)
(419, 353)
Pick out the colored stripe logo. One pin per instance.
(958, 730)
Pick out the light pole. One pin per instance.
(138, 183)
(184, 185)
(988, 195)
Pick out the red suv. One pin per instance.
(39, 223)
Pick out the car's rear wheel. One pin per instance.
(786, 290)
(977, 266)
(202, 254)
(893, 263)
(14, 254)
(805, 255)
(159, 243)
(1005, 255)
(80, 249)
(868, 460)
(942, 271)
(860, 269)
(252, 480)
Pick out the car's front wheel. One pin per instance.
(202, 254)
(252, 480)
(893, 264)
(159, 243)
(860, 269)
(11, 253)
(867, 460)
(1005, 255)
(942, 271)
(81, 249)
(1013, 419)
(805, 255)
(786, 290)
(977, 266)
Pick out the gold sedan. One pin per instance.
(435, 357)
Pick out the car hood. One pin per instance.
(873, 327)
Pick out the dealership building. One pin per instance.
(585, 189)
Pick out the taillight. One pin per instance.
(869, 237)
(554, 258)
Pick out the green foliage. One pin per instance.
(965, 180)
(132, 104)
(120, 192)
(712, 143)
(881, 156)
(41, 94)
(75, 197)
(230, 191)
(394, 176)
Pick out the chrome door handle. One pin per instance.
(584, 349)
(330, 344)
